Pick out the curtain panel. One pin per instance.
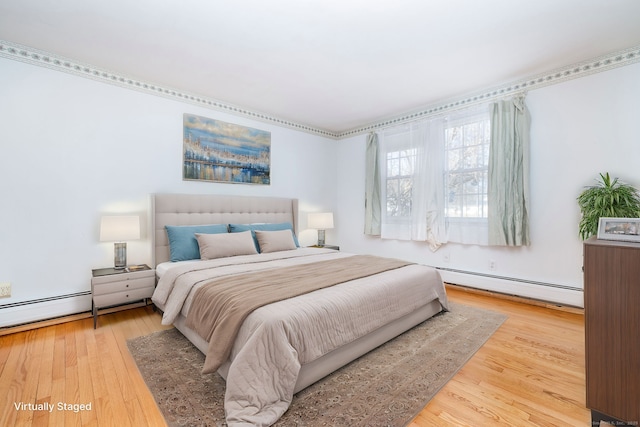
(413, 193)
(508, 191)
(372, 200)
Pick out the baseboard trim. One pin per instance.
(515, 298)
(547, 292)
(43, 323)
(23, 312)
(67, 318)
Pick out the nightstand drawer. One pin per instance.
(124, 297)
(122, 285)
(122, 276)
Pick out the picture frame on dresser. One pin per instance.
(622, 229)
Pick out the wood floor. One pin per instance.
(529, 373)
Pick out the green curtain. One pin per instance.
(372, 202)
(508, 187)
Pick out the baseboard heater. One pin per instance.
(23, 312)
(543, 291)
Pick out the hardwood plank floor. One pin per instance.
(529, 373)
(71, 364)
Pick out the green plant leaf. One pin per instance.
(608, 198)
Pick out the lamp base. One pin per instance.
(120, 255)
(321, 237)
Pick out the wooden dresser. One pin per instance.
(612, 328)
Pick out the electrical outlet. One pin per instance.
(492, 264)
(5, 289)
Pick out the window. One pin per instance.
(400, 169)
(466, 166)
(434, 179)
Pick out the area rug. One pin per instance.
(388, 386)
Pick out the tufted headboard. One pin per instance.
(196, 209)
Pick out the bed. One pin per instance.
(282, 347)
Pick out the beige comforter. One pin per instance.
(277, 339)
(221, 305)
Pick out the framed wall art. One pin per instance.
(626, 229)
(217, 151)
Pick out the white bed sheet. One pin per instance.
(163, 267)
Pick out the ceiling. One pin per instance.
(329, 64)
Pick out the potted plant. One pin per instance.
(609, 198)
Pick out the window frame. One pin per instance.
(481, 167)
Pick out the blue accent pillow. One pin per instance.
(236, 228)
(183, 245)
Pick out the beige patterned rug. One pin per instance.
(386, 387)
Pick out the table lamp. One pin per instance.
(321, 222)
(118, 229)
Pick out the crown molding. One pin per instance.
(45, 59)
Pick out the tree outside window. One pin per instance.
(466, 169)
(399, 182)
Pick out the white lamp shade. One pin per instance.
(119, 228)
(320, 221)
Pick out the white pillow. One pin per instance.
(274, 241)
(223, 245)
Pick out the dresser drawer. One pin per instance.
(124, 297)
(122, 285)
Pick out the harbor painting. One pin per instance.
(217, 151)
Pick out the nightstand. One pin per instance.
(111, 287)
(334, 247)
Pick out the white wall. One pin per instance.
(72, 149)
(579, 128)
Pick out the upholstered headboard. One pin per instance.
(196, 209)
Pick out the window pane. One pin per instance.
(454, 159)
(473, 157)
(472, 182)
(392, 197)
(406, 166)
(452, 136)
(467, 159)
(472, 207)
(405, 196)
(400, 169)
(393, 165)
